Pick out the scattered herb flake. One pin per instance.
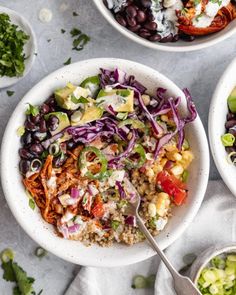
(67, 62)
(79, 100)
(31, 204)
(10, 93)
(80, 42)
(20, 131)
(63, 31)
(49, 40)
(40, 252)
(12, 41)
(75, 32)
(32, 110)
(35, 53)
(75, 13)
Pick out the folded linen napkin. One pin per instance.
(216, 221)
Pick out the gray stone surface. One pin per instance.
(199, 71)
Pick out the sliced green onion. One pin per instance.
(122, 116)
(32, 203)
(115, 224)
(54, 149)
(139, 282)
(35, 165)
(218, 262)
(151, 281)
(7, 255)
(185, 176)
(229, 157)
(20, 131)
(228, 139)
(122, 204)
(40, 252)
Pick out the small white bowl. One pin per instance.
(216, 125)
(180, 46)
(205, 257)
(30, 48)
(42, 232)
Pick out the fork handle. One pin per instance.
(155, 247)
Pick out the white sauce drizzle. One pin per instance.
(116, 5)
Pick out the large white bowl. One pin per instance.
(43, 233)
(216, 125)
(180, 46)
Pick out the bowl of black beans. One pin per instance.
(169, 25)
(222, 126)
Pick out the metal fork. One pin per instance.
(182, 284)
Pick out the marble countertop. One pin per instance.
(199, 71)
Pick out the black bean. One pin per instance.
(58, 161)
(141, 16)
(167, 39)
(230, 149)
(34, 119)
(135, 28)
(175, 38)
(52, 123)
(42, 126)
(230, 116)
(230, 123)
(30, 126)
(144, 33)
(51, 101)
(146, 3)
(24, 166)
(131, 21)
(155, 38)
(39, 136)
(131, 11)
(152, 26)
(186, 37)
(24, 153)
(71, 144)
(26, 139)
(121, 20)
(44, 109)
(36, 148)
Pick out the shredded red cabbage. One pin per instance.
(121, 190)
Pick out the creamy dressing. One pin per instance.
(117, 175)
(161, 223)
(114, 100)
(116, 5)
(166, 19)
(204, 20)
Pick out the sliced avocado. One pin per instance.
(232, 101)
(90, 114)
(63, 121)
(68, 97)
(91, 83)
(121, 100)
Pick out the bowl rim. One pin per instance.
(168, 240)
(10, 81)
(205, 257)
(157, 46)
(213, 139)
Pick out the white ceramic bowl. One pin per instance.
(30, 48)
(216, 125)
(205, 257)
(43, 233)
(180, 46)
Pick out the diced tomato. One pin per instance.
(98, 209)
(173, 187)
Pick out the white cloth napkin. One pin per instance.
(214, 224)
(216, 221)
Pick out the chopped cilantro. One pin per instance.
(49, 40)
(123, 92)
(12, 41)
(10, 93)
(67, 62)
(12, 272)
(63, 31)
(80, 42)
(115, 224)
(32, 110)
(75, 32)
(75, 13)
(31, 204)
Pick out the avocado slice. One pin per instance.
(121, 100)
(232, 101)
(63, 121)
(90, 114)
(68, 97)
(92, 84)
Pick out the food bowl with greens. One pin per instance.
(222, 126)
(214, 271)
